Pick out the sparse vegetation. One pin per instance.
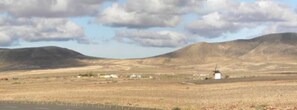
(226, 77)
(4, 79)
(15, 78)
(16, 83)
(88, 74)
(259, 107)
(166, 92)
(253, 80)
(176, 108)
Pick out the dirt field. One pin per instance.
(166, 91)
(11, 105)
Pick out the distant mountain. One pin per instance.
(272, 47)
(280, 48)
(41, 57)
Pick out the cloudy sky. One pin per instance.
(139, 28)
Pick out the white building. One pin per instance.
(217, 75)
(113, 76)
(135, 76)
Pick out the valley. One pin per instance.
(259, 73)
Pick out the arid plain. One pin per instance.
(258, 74)
(168, 88)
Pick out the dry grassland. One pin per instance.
(165, 91)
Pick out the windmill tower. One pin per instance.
(217, 74)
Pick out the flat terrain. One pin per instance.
(166, 90)
(64, 106)
(14, 106)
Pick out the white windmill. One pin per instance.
(217, 74)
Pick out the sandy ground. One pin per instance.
(19, 106)
(166, 90)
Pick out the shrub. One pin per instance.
(227, 77)
(176, 108)
(89, 74)
(4, 79)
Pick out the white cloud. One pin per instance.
(236, 16)
(119, 16)
(51, 8)
(152, 38)
(213, 25)
(46, 20)
(148, 13)
(38, 29)
(260, 11)
(281, 27)
(164, 6)
(5, 40)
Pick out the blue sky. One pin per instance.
(130, 29)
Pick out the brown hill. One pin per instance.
(41, 57)
(272, 47)
(248, 53)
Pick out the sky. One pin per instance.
(139, 28)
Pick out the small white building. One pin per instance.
(114, 76)
(151, 77)
(217, 75)
(109, 76)
(135, 76)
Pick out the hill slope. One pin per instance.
(268, 48)
(41, 57)
(272, 47)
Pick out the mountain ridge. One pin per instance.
(266, 48)
(272, 46)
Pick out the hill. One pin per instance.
(41, 57)
(274, 50)
(272, 47)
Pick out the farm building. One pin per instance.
(109, 76)
(135, 76)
